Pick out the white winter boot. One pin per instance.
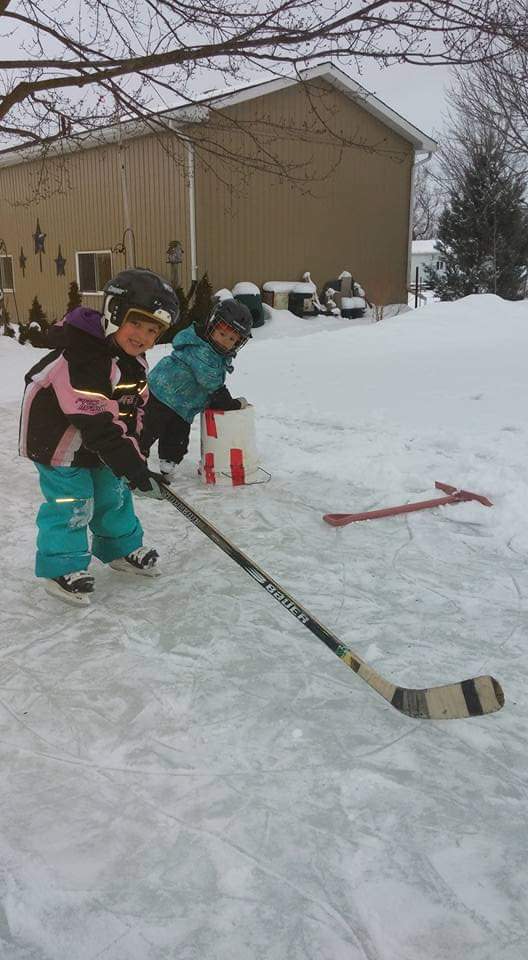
(72, 588)
(141, 561)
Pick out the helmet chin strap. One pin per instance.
(108, 318)
(110, 328)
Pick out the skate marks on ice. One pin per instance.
(117, 806)
(191, 775)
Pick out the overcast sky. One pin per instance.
(418, 93)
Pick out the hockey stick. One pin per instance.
(467, 698)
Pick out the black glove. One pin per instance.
(148, 484)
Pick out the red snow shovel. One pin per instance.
(453, 496)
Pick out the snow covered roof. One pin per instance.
(200, 111)
(424, 246)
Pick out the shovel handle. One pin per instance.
(454, 495)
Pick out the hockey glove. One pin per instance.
(148, 485)
(243, 402)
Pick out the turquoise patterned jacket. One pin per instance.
(189, 375)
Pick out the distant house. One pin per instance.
(199, 175)
(424, 254)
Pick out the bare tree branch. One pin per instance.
(427, 205)
(89, 63)
(495, 96)
(170, 41)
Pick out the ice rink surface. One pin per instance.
(187, 773)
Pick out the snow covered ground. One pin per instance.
(425, 297)
(188, 774)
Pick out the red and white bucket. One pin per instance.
(228, 448)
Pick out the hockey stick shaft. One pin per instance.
(467, 698)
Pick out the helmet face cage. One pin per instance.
(143, 291)
(239, 320)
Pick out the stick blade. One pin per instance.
(454, 701)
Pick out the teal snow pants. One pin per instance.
(78, 498)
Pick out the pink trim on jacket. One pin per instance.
(71, 401)
(40, 381)
(64, 452)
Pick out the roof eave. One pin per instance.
(372, 104)
(343, 82)
(199, 112)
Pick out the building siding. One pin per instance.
(353, 215)
(347, 209)
(81, 208)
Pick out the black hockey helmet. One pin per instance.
(235, 315)
(141, 290)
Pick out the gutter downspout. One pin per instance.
(3, 252)
(191, 188)
(128, 232)
(128, 235)
(416, 163)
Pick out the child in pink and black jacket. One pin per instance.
(81, 420)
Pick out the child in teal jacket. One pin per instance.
(191, 379)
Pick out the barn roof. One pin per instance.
(339, 79)
(199, 111)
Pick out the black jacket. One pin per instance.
(83, 404)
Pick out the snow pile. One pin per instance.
(14, 361)
(245, 288)
(279, 286)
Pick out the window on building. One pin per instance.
(94, 270)
(440, 264)
(6, 274)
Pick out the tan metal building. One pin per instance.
(258, 184)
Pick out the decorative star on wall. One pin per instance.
(22, 260)
(60, 263)
(39, 238)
